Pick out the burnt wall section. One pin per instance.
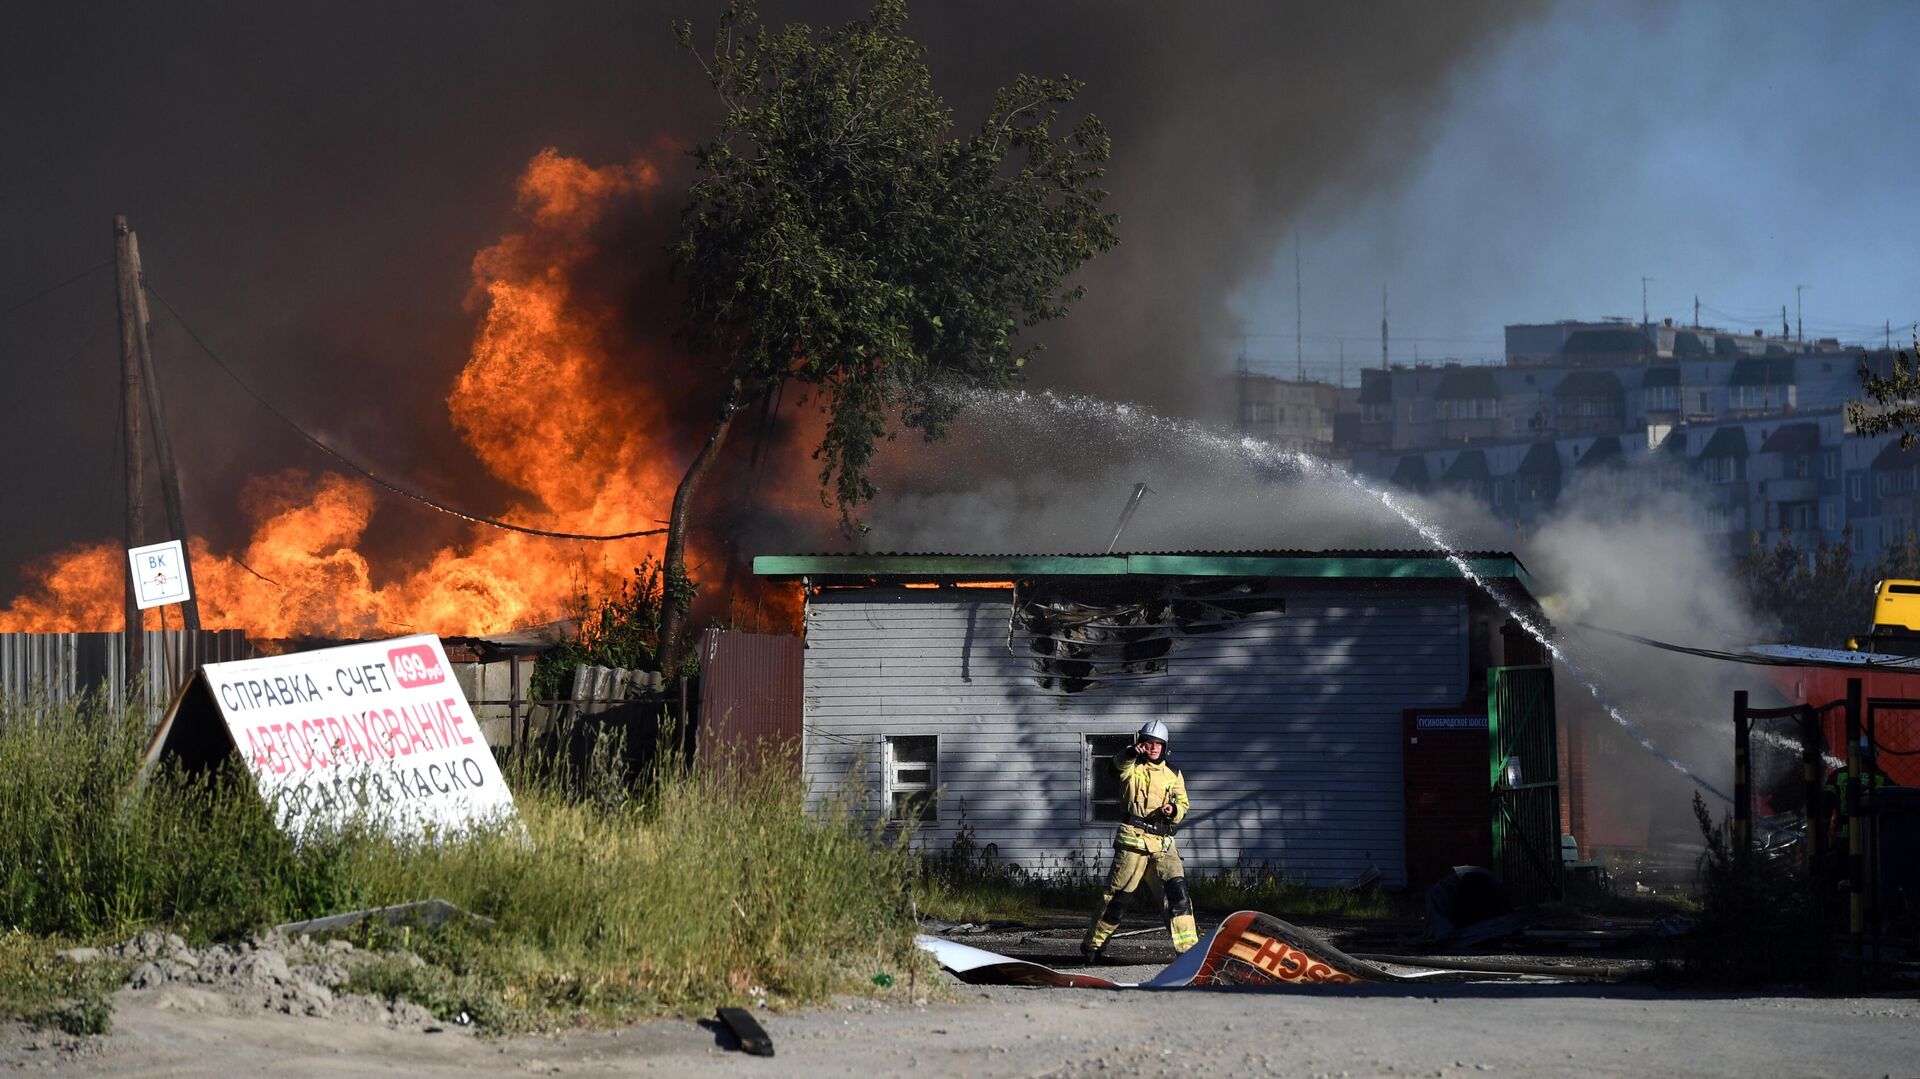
(1285, 701)
(1088, 633)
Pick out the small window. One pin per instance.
(913, 778)
(1103, 785)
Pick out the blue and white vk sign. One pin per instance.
(159, 574)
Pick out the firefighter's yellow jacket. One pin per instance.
(1145, 786)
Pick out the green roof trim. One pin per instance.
(1503, 566)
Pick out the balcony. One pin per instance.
(1792, 490)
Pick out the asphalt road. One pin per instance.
(1444, 1030)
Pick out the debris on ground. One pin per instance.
(270, 972)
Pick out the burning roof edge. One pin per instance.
(1503, 565)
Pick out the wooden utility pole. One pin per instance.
(163, 445)
(126, 260)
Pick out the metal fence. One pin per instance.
(63, 667)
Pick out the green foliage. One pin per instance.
(1815, 594)
(41, 989)
(969, 881)
(1894, 396)
(620, 630)
(694, 891)
(1758, 921)
(841, 237)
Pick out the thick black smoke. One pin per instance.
(311, 182)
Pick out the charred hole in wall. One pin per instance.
(1087, 632)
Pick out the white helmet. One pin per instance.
(1153, 730)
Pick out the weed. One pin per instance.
(43, 990)
(1758, 921)
(686, 890)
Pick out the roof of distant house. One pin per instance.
(1467, 383)
(1605, 450)
(1762, 371)
(1626, 339)
(1411, 472)
(1590, 383)
(1469, 466)
(1793, 438)
(1729, 441)
(1541, 460)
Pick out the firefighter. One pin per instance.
(1153, 801)
(1840, 826)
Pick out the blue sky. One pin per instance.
(1728, 151)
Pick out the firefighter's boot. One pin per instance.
(1180, 924)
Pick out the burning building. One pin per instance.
(1330, 709)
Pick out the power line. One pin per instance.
(355, 466)
(51, 289)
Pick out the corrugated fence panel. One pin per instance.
(60, 667)
(750, 689)
(1286, 725)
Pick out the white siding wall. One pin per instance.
(1287, 726)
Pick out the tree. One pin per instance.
(1895, 396)
(1815, 594)
(838, 236)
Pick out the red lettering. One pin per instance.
(261, 747)
(452, 709)
(369, 733)
(314, 734)
(396, 734)
(416, 729)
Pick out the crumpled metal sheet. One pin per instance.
(1247, 948)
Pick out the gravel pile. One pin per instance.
(268, 973)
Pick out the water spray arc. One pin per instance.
(1258, 452)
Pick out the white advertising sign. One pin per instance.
(378, 731)
(159, 574)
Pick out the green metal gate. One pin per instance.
(1524, 765)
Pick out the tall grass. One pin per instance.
(673, 894)
(967, 881)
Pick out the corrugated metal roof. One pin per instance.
(1301, 564)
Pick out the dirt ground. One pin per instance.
(183, 1028)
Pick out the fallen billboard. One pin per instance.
(1247, 948)
(377, 733)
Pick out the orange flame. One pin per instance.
(550, 401)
